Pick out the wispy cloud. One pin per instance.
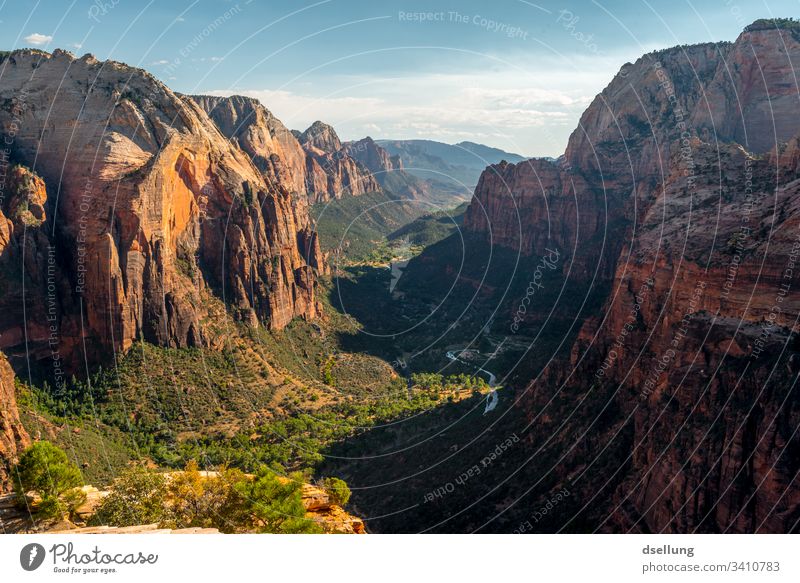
(525, 97)
(38, 39)
(530, 110)
(499, 107)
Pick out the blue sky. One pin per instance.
(514, 74)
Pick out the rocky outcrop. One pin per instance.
(311, 163)
(621, 152)
(330, 176)
(315, 162)
(330, 170)
(321, 136)
(694, 354)
(677, 199)
(330, 516)
(271, 146)
(536, 205)
(23, 203)
(28, 264)
(13, 437)
(148, 205)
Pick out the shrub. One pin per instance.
(137, 497)
(195, 500)
(70, 501)
(337, 489)
(275, 505)
(45, 470)
(327, 373)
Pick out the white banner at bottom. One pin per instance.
(409, 558)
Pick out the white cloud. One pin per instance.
(160, 62)
(526, 97)
(531, 111)
(38, 39)
(76, 45)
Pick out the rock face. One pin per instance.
(330, 170)
(536, 205)
(271, 146)
(331, 517)
(620, 154)
(315, 162)
(311, 163)
(147, 205)
(321, 136)
(13, 437)
(677, 197)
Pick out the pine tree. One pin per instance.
(45, 470)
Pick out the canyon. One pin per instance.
(635, 298)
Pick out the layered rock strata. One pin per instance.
(677, 198)
(138, 204)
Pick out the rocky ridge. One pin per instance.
(270, 145)
(312, 163)
(315, 162)
(677, 198)
(141, 205)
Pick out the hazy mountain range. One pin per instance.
(458, 164)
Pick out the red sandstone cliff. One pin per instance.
(677, 411)
(625, 145)
(330, 170)
(312, 163)
(13, 437)
(147, 204)
(315, 162)
(271, 146)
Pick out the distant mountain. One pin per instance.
(455, 164)
(486, 152)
